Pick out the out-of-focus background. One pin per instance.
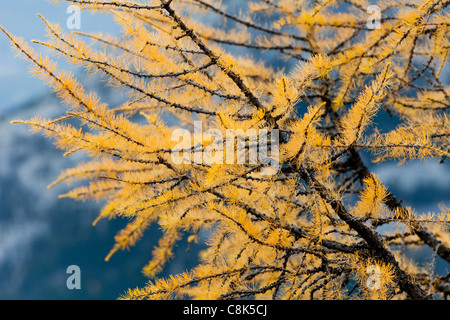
(41, 235)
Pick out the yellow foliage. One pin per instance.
(295, 233)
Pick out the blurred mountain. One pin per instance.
(41, 235)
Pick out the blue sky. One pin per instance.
(19, 17)
(416, 183)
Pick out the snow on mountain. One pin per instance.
(40, 235)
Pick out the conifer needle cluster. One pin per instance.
(312, 229)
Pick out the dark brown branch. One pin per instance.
(373, 239)
(233, 76)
